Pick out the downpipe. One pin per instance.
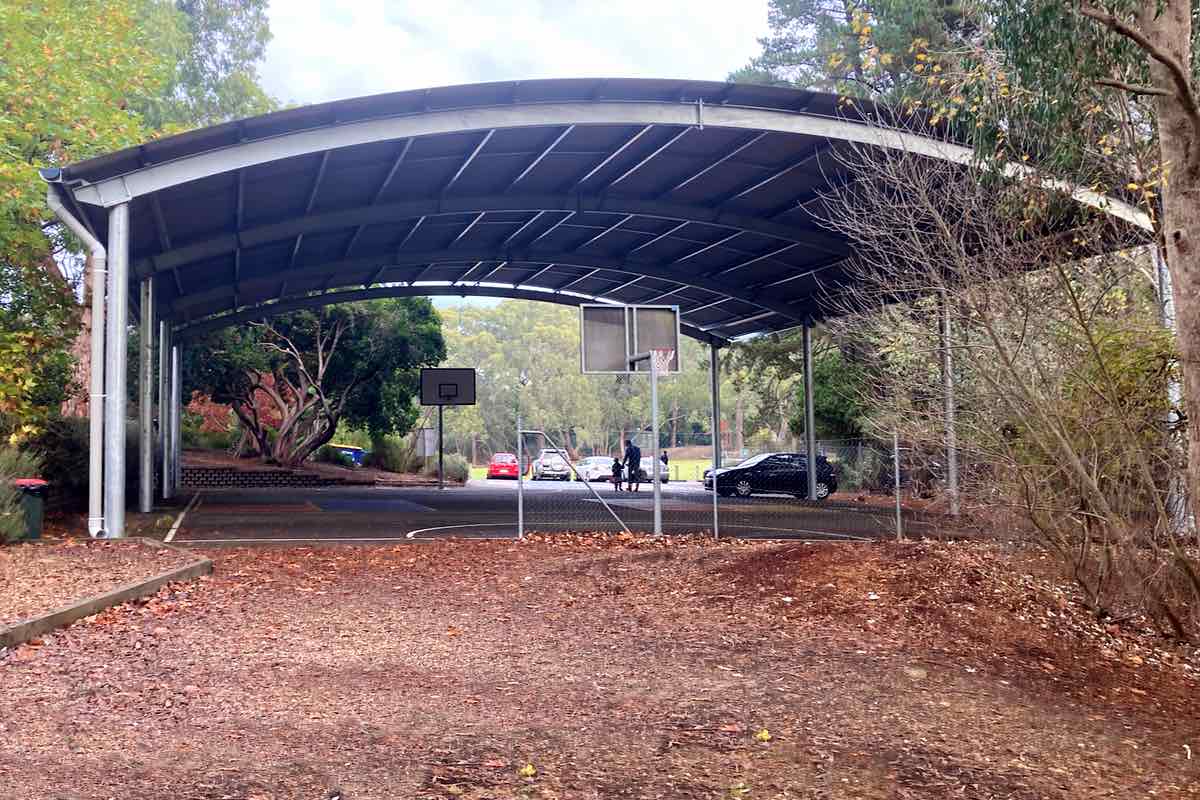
(96, 386)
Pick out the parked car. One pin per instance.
(551, 465)
(502, 465)
(595, 468)
(773, 473)
(663, 471)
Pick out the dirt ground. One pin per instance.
(587, 668)
(40, 576)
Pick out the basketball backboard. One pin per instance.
(611, 335)
(447, 386)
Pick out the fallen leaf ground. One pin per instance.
(40, 576)
(581, 667)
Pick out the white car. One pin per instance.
(595, 468)
(664, 473)
(551, 465)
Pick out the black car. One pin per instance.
(773, 473)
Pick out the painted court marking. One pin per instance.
(413, 534)
(179, 520)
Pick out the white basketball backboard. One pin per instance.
(611, 335)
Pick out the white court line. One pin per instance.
(179, 520)
(413, 534)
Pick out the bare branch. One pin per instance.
(1132, 88)
(1180, 76)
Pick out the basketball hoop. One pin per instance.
(662, 360)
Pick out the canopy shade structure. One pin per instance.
(686, 193)
(628, 191)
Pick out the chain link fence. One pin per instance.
(763, 494)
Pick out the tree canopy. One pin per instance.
(356, 362)
(80, 78)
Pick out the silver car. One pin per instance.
(595, 468)
(551, 465)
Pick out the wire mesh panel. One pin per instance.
(765, 493)
(592, 498)
(563, 492)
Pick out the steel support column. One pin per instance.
(714, 376)
(114, 371)
(164, 362)
(146, 400)
(714, 370)
(810, 433)
(176, 405)
(655, 478)
(948, 392)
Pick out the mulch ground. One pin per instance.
(43, 575)
(598, 667)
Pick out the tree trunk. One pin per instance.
(256, 431)
(1171, 30)
(738, 438)
(474, 459)
(675, 424)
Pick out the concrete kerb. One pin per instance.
(22, 632)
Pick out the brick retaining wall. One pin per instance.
(230, 478)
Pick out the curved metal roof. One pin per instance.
(687, 193)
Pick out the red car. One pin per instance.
(503, 465)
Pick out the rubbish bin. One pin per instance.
(33, 503)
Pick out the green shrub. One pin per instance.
(352, 436)
(62, 449)
(457, 468)
(391, 454)
(14, 464)
(332, 455)
(193, 435)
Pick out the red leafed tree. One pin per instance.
(214, 417)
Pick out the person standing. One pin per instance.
(633, 465)
(616, 473)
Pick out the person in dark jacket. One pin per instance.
(633, 465)
(616, 473)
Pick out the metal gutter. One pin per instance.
(96, 388)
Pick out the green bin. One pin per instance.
(33, 503)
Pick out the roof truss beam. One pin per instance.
(355, 271)
(753, 140)
(487, 137)
(568, 204)
(408, 289)
(541, 156)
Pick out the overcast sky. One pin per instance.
(332, 49)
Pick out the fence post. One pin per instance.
(520, 480)
(896, 482)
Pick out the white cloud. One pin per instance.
(326, 50)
